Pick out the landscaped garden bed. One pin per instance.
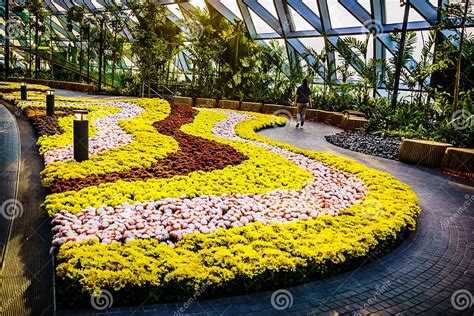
(177, 199)
(367, 143)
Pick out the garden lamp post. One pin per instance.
(50, 102)
(81, 135)
(401, 48)
(24, 91)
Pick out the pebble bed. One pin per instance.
(170, 219)
(109, 134)
(367, 143)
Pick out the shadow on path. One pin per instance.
(27, 275)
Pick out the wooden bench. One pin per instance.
(330, 117)
(324, 116)
(423, 152)
(251, 106)
(229, 104)
(183, 100)
(336, 119)
(312, 115)
(352, 123)
(349, 113)
(205, 103)
(459, 161)
(272, 108)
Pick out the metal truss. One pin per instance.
(320, 20)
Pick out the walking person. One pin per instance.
(302, 100)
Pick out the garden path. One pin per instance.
(26, 277)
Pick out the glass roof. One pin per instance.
(297, 24)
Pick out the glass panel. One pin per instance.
(300, 23)
(312, 5)
(174, 8)
(232, 6)
(260, 25)
(366, 4)
(269, 6)
(316, 43)
(340, 17)
(394, 13)
(199, 3)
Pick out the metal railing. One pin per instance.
(155, 90)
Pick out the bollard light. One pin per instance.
(50, 102)
(81, 135)
(24, 91)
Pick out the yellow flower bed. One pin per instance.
(38, 96)
(254, 250)
(6, 86)
(262, 172)
(148, 146)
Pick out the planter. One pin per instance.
(352, 123)
(205, 103)
(182, 100)
(229, 104)
(325, 116)
(423, 152)
(312, 115)
(459, 161)
(278, 109)
(336, 119)
(251, 106)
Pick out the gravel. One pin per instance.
(367, 143)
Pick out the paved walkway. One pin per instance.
(26, 279)
(419, 277)
(9, 165)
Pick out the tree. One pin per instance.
(156, 40)
(36, 9)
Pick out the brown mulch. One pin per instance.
(47, 125)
